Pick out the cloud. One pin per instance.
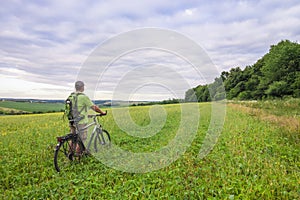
(46, 42)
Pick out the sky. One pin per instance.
(45, 45)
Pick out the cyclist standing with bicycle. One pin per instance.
(71, 147)
(80, 108)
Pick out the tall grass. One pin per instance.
(251, 160)
(287, 107)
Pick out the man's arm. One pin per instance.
(98, 110)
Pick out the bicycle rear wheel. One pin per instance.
(102, 139)
(65, 152)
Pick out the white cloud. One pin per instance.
(18, 88)
(46, 42)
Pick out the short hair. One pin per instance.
(78, 85)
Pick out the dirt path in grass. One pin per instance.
(12, 111)
(290, 123)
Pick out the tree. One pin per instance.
(276, 74)
(296, 86)
(277, 89)
(190, 96)
(216, 89)
(244, 95)
(202, 93)
(282, 63)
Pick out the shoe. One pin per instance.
(70, 156)
(87, 153)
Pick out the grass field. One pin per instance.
(254, 158)
(287, 107)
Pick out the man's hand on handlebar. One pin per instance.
(103, 113)
(98, 115)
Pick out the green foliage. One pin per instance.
(202, 93)
(244, 95)
(190, 95)
(275, 75)
(282, 62)
(277, 89)
(252, 159)
(205, 93)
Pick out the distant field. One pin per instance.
(11, 107)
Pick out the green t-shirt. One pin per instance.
(84, 104)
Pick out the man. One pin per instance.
(83, 105)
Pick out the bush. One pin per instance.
(277, 89)
(245, 95)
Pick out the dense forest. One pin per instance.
(275, 75)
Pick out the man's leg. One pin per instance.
(82, 134)
(73, 131)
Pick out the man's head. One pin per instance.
(79, 86)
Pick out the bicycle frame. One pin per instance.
(71, 135)
(97, 127)
(95, 122)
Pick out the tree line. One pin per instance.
(169, 101)
(275, 75)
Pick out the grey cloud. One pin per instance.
(50, 40)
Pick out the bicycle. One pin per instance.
(70, 147)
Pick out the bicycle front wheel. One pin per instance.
(102, 139)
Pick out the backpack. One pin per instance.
(71, 108)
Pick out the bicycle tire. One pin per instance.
(65, 153)
(102, 139)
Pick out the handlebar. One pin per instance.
(97, 115)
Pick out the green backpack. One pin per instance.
(71, 107)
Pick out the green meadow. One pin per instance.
(255, 157)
